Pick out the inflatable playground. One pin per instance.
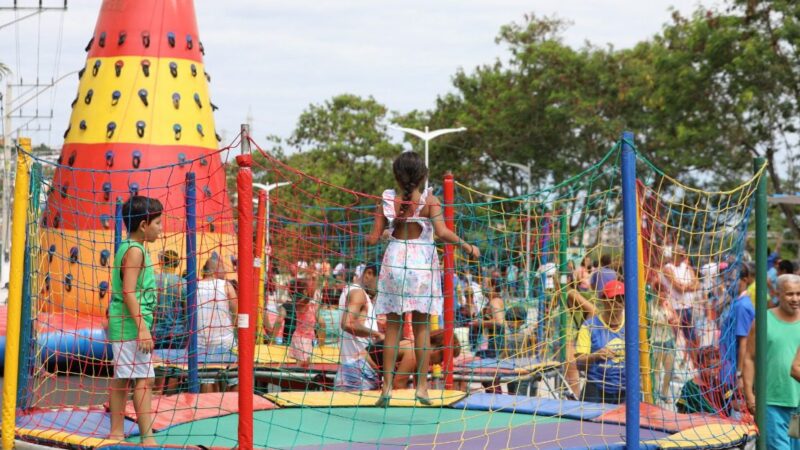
(505, 373)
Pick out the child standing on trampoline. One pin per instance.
(410, 278)
(130, 317)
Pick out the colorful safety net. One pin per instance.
(527, 343)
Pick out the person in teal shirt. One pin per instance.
(170, 330)
(130, 317)
(783, 339)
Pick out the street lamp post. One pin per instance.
(428, 136)
(526, 170)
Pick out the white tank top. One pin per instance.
(683, 274)
(215, 328)
(354, 348)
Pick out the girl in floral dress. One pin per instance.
(410, 279)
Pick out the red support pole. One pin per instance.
(261, 220)
(244, 185)
(449, 284)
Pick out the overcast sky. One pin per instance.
(273, 58)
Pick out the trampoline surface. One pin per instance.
(361, 427)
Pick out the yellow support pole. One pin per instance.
(20, 217)
(644, 344)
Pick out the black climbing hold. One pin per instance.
(203, 161)
(88, 98)
(189, 42)
(82, 125)
(210, 220)
(73, 255)
(213, 106)
(173, 68)
(51, 252)
(63, 189)
(44, 221)
(72, 105)
(96, 67)
(122, 36)
(68, 282)
(181, 159)
(66, 132)
(115, 96)
(102, 41)
(177, 130)
(208, 77)
(47, 282)
(140, 128)
(105, 221)
(200, 130)
(146, 39)
(219, 138)
(71, 159)
(134, 188)
(89, 45)
(103, 288)
(81, 72)
(143, 96)
(146, 67)
(109, 158)
(136, 158)
(118, 66)
(104, 256)
(197, 100)
(56, 220)
(193, 68)
(202, 49)
(176, 100)
(106, 190)
(58, 161)
(207, 191)
(110, 128)
(171, 39)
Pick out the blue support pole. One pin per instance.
(630, 233)
(191, 279)
(117, 225)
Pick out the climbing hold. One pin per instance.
(106, 190)
(72, 105)
(96, 67)
(103, 288)
(72, 156)
(200, 130)
(102, 41)
(136, 158)
(171, 39)
(207, 191)
(110, 128)
(213, 106)
(115, 97)
(118, 67)
(177, 130)
(181, 159)
(82, 125)
(89, 45)
(63, 189)
(176, 100)
(51, 252)
(47, 283)
(140, 128)
(109, 158)
(105, 221)
(203, 161)
(146, 39)
(81, 72)
(56, 220)
(219, 138)
(173, 68)
(189, 42)
(66, 132)
(146, 67)
(208, 77)
(73, 255)
(89, 95)
(197, 100)
(68, 282)
(143, 96)
(202, 49)
(44, 221)
(122, 36)
(134, 189)
(104, 256)
(194, 70)
(210, 220)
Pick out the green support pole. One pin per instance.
(563, 243)
(761, 306)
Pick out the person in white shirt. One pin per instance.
(682, 285)
(217, 308)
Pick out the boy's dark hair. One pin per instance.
(169, 259)
(516, 313)
(138, 209)
(409, 172)
(605, 260)
(786, 266)
(372, 267)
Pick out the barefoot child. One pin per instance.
(133, 300)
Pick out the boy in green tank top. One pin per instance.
(783, 339)
(130, 317)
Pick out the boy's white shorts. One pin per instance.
(129, 362)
